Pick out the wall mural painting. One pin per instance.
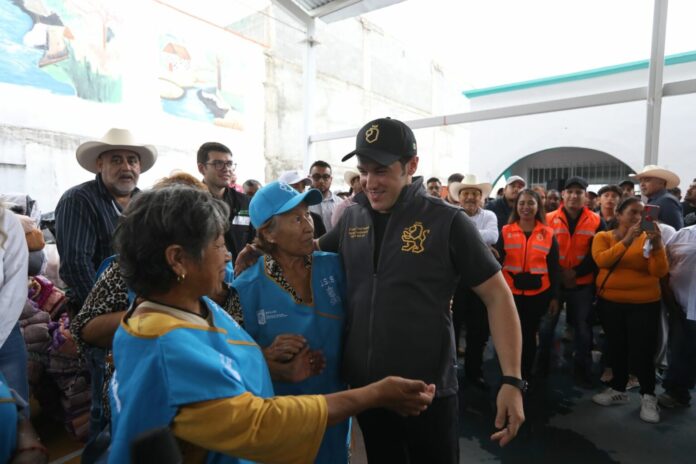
(197, 83)
(68, 48)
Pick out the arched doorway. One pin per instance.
(550, 167)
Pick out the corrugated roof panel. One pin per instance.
(310, 5)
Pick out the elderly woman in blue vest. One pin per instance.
(296, 290)
(184, 363)
(529, 253)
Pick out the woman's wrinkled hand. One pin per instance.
(285, 347)
(307, 363)
(246, 258)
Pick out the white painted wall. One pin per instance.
(618, 130)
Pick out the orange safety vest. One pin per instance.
(527, 255)
(573, 249)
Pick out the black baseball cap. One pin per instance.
(627, 181)
(576, 180)
(610, 188)
(384, 141)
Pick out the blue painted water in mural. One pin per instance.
(19, 63)
(188, 106)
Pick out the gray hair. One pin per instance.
(161, 217)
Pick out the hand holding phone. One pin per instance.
(648, 218)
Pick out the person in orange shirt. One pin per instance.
(631, 262)
(529, 253)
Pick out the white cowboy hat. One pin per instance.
(349, 175)
(652, 170)
(470, 181)
(293, 177)
(115, 139)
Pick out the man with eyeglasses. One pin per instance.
(320, 174)
(216, 166)
(86, 214)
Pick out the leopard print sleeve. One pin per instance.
(233, 305)
(109, 294)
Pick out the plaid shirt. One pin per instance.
(86, 217)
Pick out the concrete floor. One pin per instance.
(564, 426)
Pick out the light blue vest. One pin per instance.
(155, 376)
(269, 310)
(8, 422)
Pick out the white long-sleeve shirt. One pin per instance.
(487, 225)
(14, 260)
(681, 251)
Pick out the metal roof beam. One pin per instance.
(294, 10)
(564, 104)
(331, 7)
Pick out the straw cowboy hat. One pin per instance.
(652, 170)
(349, 175)
(469, 181)
(115, 139)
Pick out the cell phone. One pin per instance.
(648, 217)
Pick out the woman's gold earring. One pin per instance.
(181, 277)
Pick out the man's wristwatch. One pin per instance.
(515, 382)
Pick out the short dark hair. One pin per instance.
(623, 204)
(320, 164)
(626, 202)
(158, 218)
(433, 179)
(207, 147)
(540, 216)
(456, 177)
(251, 183)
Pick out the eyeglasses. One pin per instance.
(318, 177)
(220, 165)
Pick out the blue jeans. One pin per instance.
(579, 310)
(681, 373)
(13, 365)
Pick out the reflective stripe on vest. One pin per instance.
(527, 255)
(586, 232)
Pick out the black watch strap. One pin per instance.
(515, 382)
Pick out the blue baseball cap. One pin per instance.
(278, 198)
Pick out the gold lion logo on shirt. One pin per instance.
(414, 238)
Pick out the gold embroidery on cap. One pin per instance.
(414, 238)
(372, 134)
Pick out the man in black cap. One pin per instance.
(502, 207)
(609, 198)
(628, 187)
(398, 302)
(574, 226)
